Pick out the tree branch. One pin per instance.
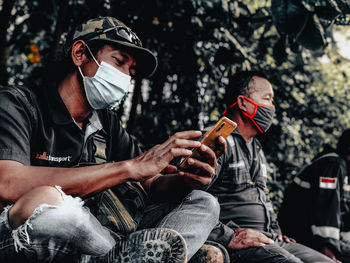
(5, 16)
(136, 99)
(62, 19)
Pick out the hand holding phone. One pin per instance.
(224, 127)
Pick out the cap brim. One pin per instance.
(146, 61)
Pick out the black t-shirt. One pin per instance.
(37, 129)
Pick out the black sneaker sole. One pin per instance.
(154, 245)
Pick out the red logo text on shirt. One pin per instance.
(46, 157)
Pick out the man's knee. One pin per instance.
(207, 202)
(26, 205)
(59, 218)
(268, 253)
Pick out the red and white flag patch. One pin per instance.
(328, 183)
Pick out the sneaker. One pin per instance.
(211, 252)
(154, 245)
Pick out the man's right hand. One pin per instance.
(245, 238)
(157, 158)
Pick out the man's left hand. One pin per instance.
(285, 239)
(205, 171)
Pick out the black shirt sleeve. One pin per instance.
(325, 217)
(16, 118)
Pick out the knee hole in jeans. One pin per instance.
(26, 204)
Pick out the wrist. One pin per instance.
(231, 243)
(132, 170)
(124, 170)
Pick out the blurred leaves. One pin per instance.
(306, 22)
(34, 56)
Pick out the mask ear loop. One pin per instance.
(253, 114)
(246, 114)
(255, 108)
(229, 107)
(81, 73)
(92, 55)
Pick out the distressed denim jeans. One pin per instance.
(194, 217)
(70, 233)
(54, 234)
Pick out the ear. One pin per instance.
(78, 53)
(242, 103)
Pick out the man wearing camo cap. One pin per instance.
(48, 164)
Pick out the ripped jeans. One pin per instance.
(70, 233)
(54, 234)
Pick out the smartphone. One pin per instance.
(224, 127)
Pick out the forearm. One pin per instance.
(17, 179)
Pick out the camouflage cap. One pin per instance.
(110, 29)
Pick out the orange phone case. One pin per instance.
(223, 127)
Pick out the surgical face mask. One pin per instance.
(107, 88)
(262, 115)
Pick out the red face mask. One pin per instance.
(262, 115)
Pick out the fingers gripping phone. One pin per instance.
(224, 127)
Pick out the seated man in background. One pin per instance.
(248, 227)
(47, 134)
(315, 210)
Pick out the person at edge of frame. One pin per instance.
(316, 205)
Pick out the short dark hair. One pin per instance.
(343, 145)
(239, 85)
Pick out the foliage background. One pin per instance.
(199, 43)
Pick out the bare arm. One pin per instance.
(16, 179)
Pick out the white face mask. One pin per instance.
(107, 88)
